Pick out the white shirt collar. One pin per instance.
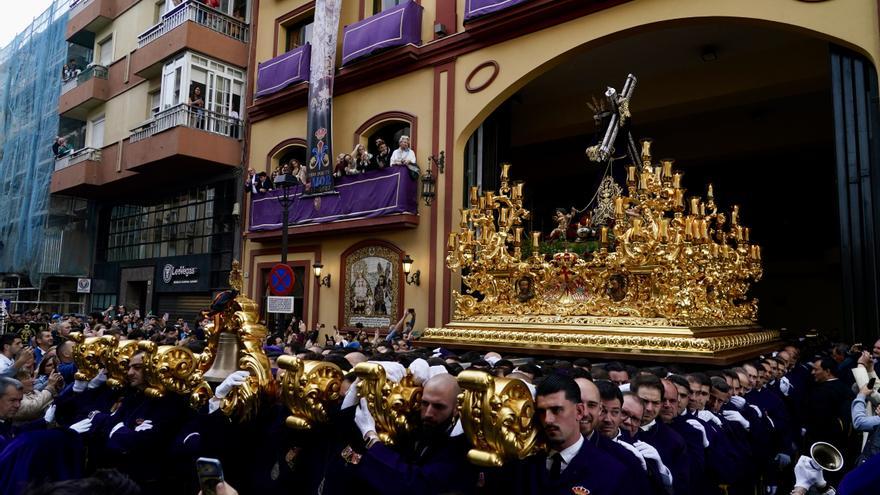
(649, 425)
(567, 454)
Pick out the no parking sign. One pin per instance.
(281, 280)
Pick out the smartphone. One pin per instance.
(871, 383)
(210, 474)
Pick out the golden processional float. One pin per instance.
(669, 280)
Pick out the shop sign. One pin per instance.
(182, 273)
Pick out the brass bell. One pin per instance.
(226, 359)
(826, 456)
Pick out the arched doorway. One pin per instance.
(746, 107)
(294, 148)
(389, 127)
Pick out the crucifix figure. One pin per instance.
(615, 119)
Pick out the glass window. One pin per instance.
(380, 5)
(298, 34)
(105, 51)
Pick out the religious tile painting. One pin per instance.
(372, 287)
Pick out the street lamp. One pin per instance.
(285, 182)
(317, 268)
(428, 187)
(407, 267)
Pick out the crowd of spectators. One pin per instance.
(359, 161)
(609, 427)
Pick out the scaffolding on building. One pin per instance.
(41, 235)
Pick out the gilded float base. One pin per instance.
(648, 339)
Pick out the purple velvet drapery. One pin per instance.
(373, 194)
(397, 26)
(277, 73)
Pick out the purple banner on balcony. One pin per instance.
(277, 73)
(397, 26)
(373, 194)
(479, 8)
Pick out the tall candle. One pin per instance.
(516, 192)
(474, 195)
(704, 225)
(603, 236)
(451, 243)
(710, 193)
(713, 249)
(657, 176)
(536, 240)
(490, 198)
(667, 168)
(678, 197)
(688, 221)
(664, 229)
(646, 150)
(739, 233)
(517, 235)
(502, 217)
(505, 168)
(676, 180)
(637, 226)
(631, 173)
(644, 182)
(734, 216)
(464, 217)
(482, 202)
(618, 206)
(695, 205)
(702, 209)
(746, 233)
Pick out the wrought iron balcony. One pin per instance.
(184, 115)
(78, 156)
(92, 71)
(201, 14)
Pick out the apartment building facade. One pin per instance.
(153, 117)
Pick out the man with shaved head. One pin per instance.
(434, 460)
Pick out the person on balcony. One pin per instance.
(257, 183)
(61, 148)
(197, 104)
(362, 160)
(406, 157)
(70, 70)
(382, 158)
(297, 170)
(344, 166)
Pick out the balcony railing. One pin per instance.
(200, 14)
(77, 6)
(184, 115)
(96, 71)
(78, 156)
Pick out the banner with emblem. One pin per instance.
(319, 169)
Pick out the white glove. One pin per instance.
(699, 427)
(457, 430)
(737, 401)
(782, 460)
(649, 452)
(351, 396)
(49, 416)
(82, 426)
(807, 474)
(99, 379)
(363, 419)
(80, 385)
(115, 429)
(736, 418)
(146, 425)
(233, 380)
(420, 370)
(784, 386)
(492, 360)
(634, 451)
(707, 416)
(393, 371)
(757, 410)
(624, 388)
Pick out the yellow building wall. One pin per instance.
(851, 23)
(126, 28)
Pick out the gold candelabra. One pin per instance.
(659, 258)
